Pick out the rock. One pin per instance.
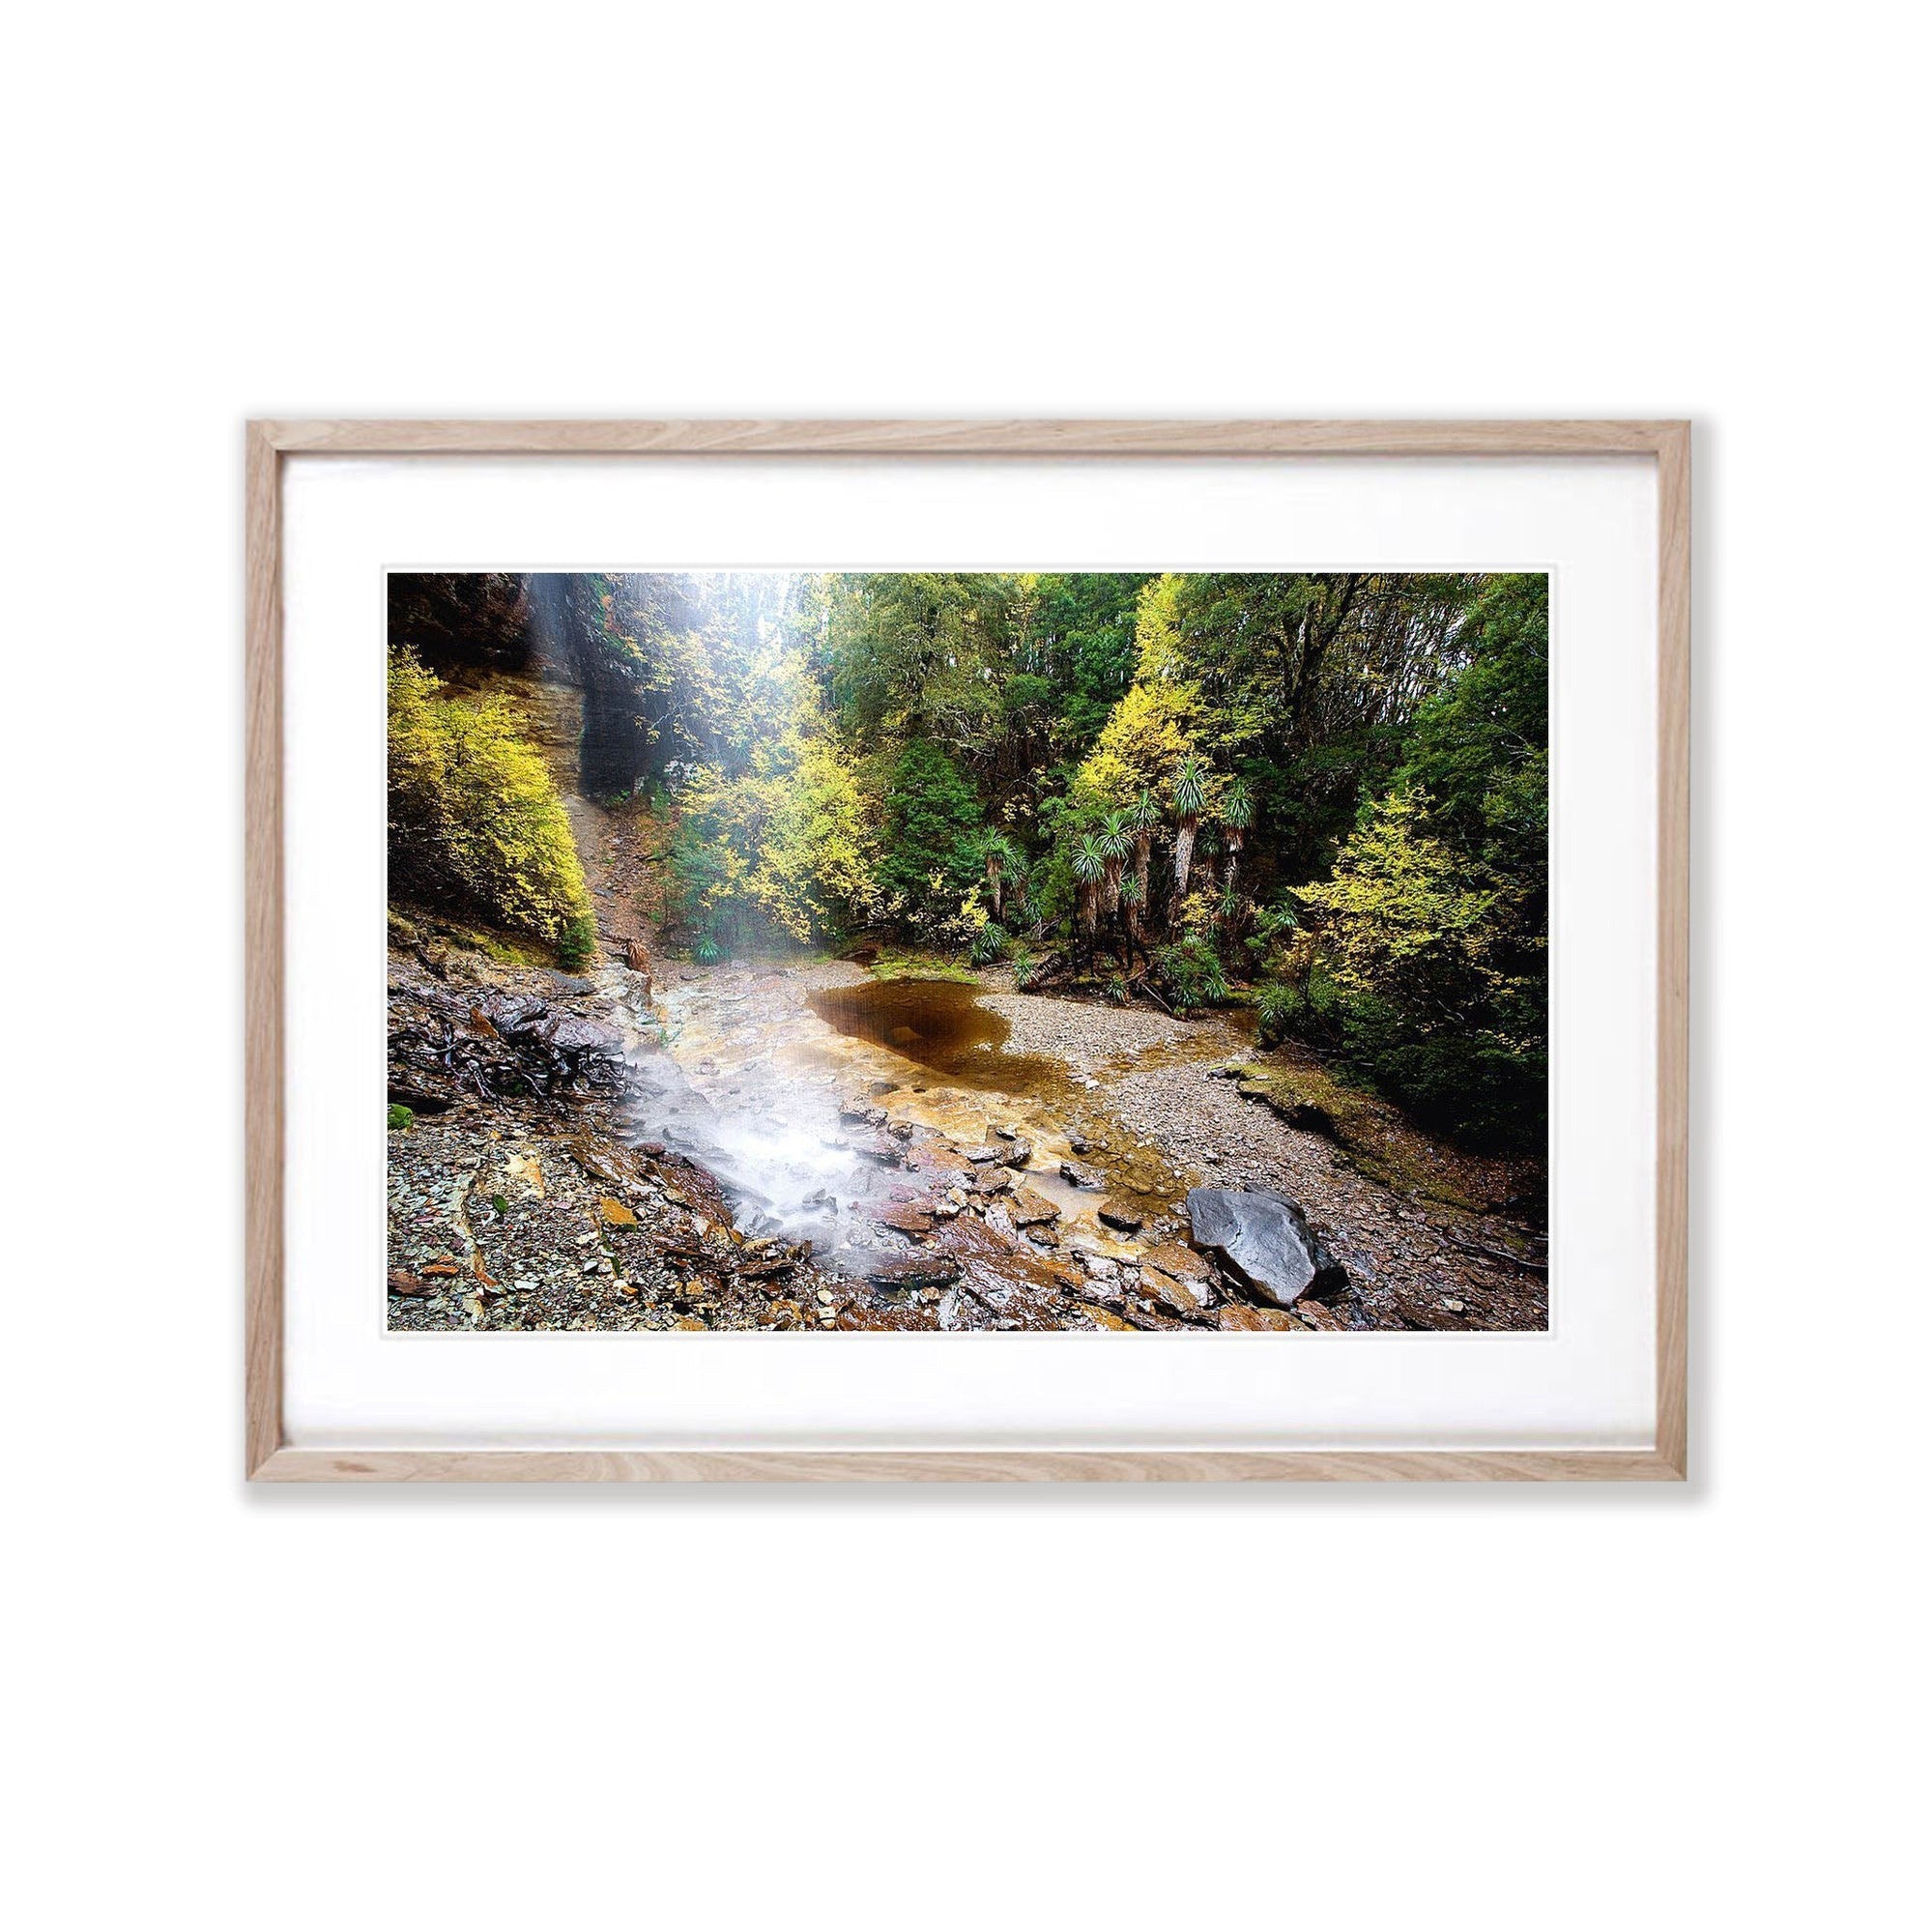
(1080, 1176)
(1032, 1210)
(1006, 1133)
(1078, 1142)
(572, 1035)
(1265, 1243)
(861, 1112)
(904, 1218)
(1171, 1292)
(401, 1284)
(1237, 1317)
(764, 1271)
(1118, 1214)
(443, 1269)
(617, 1213)
(1278, 1094)
(900, 1130)
(982, 1157)
(914, 1271)
(512, 1014)
(1018, 1154)
(1183, 1264)
(1313, 1315)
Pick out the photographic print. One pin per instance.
(856, 950)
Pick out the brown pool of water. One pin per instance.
(938, 1023)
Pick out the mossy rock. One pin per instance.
(893, 964)
(1374, 1139)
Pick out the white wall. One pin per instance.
(1338, 1709)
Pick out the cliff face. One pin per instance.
(578, 626)
(462, 624)
(547, 641)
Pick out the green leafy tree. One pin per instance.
(1425, 944)
(931, 855)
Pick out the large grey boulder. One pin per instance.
(1264, 1242)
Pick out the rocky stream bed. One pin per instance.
(789, 1147)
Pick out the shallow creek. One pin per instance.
(764, 1068)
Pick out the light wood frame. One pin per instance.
(269, 1459)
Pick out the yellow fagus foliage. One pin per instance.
(475, 820)
(783, 849)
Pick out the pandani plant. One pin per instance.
(1116, 840)
(1089, 870)
(1144, 816)
(1190, 801)
(1133, 896)
(1000, 854)
(1237, 815)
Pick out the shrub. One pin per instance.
(1276, 1012)
(399, 1117)
(1191, 974)
(1485, 1084)
(1308, 1007)
(987, 943)
(578, 947)
(474, 820)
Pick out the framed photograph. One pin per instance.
(967, 951)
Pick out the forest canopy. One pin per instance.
(1325, 792)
